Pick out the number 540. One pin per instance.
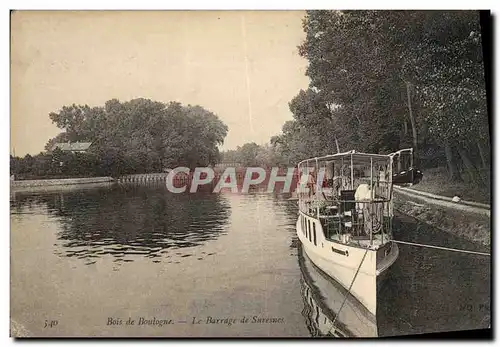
(50, 323)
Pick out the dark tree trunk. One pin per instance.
(337, 145)
(413, 125)
(485, 169)
(474, 176)
(452, 166)
(482, 155)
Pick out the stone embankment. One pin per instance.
(469, 220)
(59, 182)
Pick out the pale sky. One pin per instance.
(243, 66)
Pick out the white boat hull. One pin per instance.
(341, 262)
(328, 314)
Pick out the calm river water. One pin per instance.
(89, 262)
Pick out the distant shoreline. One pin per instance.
(23, 184)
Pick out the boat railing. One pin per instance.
(365, 221)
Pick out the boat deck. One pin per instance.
(364, 242)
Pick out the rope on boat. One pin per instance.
(349, 290)
(443, 248)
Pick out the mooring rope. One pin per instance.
(443, 248)
(349, 290)
(406, 243)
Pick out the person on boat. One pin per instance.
(363, 193)
(311, 183)
(369, 211)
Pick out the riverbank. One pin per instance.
(469, 222)
(436, 181)
(58, 182)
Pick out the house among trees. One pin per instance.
(75, 147)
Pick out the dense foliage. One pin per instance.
(137, 136)
(251, 155)
(383, 80)
(379, 81)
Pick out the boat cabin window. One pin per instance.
(309, 229)
(314, 233)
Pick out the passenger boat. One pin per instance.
(345, 216)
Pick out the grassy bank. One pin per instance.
(436, 181)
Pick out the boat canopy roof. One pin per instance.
(358, 157)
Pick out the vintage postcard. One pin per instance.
(250, 173)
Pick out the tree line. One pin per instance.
(385, 80)
(137, 136)
(379, 81)
(253, 155)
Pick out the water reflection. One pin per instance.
(256, 258)
(128, 221)
(323, 300)
(429, 290)
(411, 301)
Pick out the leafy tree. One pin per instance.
(142, 135)
(448, 71)
(248, 154)
(374, 75)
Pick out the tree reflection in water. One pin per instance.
(122, 221)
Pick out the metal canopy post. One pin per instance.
(342, 174)
(299, 187)
(411, 166)
(352, 174)
(370, 210)
(390, 185)
(316, 190)
(308, 206)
